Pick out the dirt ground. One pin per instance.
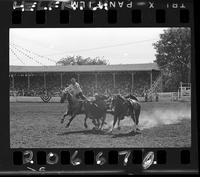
(37, 125)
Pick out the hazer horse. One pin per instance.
(94, 110)
(125, 106)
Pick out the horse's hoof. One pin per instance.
(61, 121)
(67, 126)
(119, 128)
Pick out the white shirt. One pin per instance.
(73, 89)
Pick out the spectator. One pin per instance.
(105, 84)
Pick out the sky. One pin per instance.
(45, 46)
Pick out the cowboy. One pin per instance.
(75, 89)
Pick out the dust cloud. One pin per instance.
(160, 117)
(154, 118)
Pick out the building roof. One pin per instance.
(85, 68)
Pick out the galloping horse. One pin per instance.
(74, 107)
(125, 106)
(93, 110)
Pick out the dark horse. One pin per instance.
(92, 109)
(125, 106)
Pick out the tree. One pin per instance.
(79, 60)
(173, 56)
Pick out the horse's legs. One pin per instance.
(137, 114)
(114, 122)
(118, 126)
(85, 122)
(95, 123)
(70, 120)
(63, 118)
(65, 114)
(133, 116)
(103, 121)
(98, 123)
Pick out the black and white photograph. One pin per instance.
(100, 87)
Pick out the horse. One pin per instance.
(125, 106)
(102, 103)
(90, 109)
(74, 107)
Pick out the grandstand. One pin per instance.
(123, 79)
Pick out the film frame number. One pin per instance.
(52, 158)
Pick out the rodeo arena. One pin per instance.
(36, 111)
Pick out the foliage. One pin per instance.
(79, 60)
(173, 55)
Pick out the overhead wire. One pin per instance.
(17, 56)
(31, 58)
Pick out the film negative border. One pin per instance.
(133, 13)
(112, 17)
(132, 161)
(171, 160)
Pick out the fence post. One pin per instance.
(181, 90)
